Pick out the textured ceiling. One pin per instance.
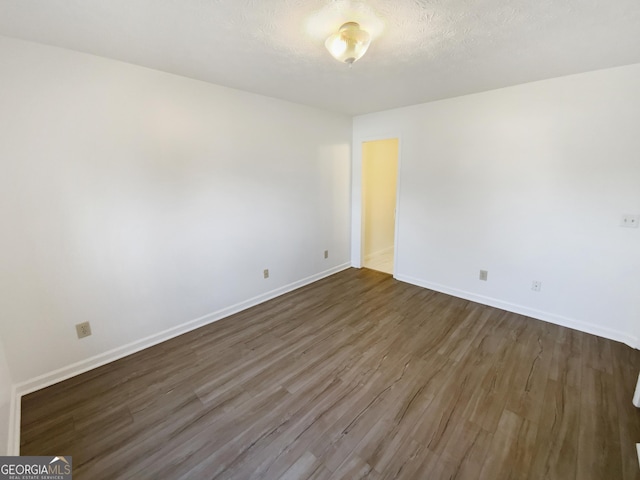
(423, 49)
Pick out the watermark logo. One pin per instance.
(36, 468)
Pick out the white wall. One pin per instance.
(5, 400)
(530, 183)
(140, 200)
(380, 173)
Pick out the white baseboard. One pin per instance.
(13, 442)
(96, 361)
(586, 327)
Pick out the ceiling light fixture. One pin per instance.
(349, 43)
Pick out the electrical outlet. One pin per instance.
(536, 285)
(83, 329)
(630, 221)
(484, 275)
(326, 254)
(266, 273)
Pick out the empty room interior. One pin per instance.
(327, 239)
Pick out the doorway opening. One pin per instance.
(379, 187)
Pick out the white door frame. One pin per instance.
(357, 220)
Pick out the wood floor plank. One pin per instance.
(599, 354)
(466, 450)
(487, 405)
(448, 408)
(528, 385)
(273, 453)
(556, 449)
(566, 365)
(432, 466)
(511, 451)
(355, 376)
(296, 440)
(306, 466)
(405, 462)
(355, 469)
(599, 451)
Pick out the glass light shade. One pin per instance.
(348, 44)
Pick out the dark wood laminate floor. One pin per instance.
(355, 376)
